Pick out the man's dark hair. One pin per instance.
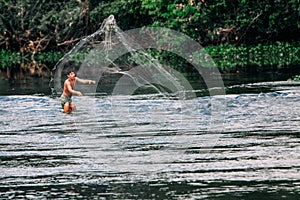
(69, 72)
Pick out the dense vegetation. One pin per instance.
(30, 28)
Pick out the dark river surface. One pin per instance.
(151, 146)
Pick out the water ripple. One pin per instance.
(147, 147)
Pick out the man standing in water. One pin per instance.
(66, 97)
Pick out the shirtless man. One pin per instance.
(66, 100)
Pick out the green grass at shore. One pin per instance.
(226, 57)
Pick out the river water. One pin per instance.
(151, 146)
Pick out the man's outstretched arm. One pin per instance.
(85, 81)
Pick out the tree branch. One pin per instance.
(243, 35)
(68, 42)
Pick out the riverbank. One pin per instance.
(34, 85)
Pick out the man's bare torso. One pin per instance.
(66, 91)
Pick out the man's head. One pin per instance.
(71, 74)
(70, 71)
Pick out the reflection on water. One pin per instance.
(150, 147)
(25, 86)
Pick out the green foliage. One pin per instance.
(29, 20)
(226, 21)
(208, 22)
(48, 57)
(229, 57)
(8, 58)
(234, 33)
(280, 54)
(226, 57)
(296, 78)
